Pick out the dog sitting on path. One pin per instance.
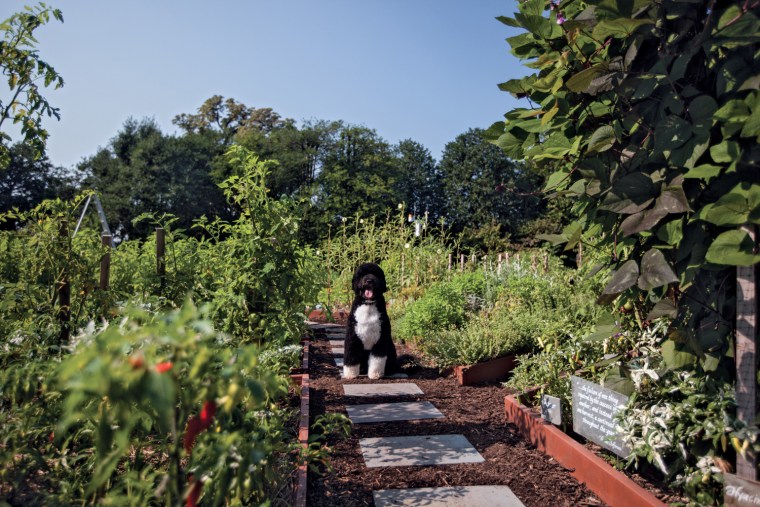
(368, 346)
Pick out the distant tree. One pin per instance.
(419, 182)
(143, 170)
(27, 180)
(483, 187)
(358, 175)
(227, 117)
(298, 152)
(25, 71)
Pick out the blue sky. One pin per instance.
(421, 69)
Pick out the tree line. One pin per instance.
(333, 169)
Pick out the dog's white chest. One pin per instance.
(367, 325)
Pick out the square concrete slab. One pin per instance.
(389, 412)
(399, 389)
(337, 351)
(465, 496)
(337, 343)
(418, 450)
(338, 362)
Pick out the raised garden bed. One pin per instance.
(486, 371)
(611, 485)
(301, 378)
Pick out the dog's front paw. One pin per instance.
(376, 367)
(350, 372)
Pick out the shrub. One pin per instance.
(443, 306)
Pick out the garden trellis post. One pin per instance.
(105, 262)
(64, 288)
(160, 252)
(746, 356)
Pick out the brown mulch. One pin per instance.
(476, 412)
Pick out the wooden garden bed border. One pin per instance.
(301, 378)
(610, 485)
(487, 371)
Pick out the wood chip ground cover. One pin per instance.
(476, 412)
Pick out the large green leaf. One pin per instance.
(582, 80)
(624, 278)
(663, 308)
(642, 221)
(737, 207)
(655, 271)
(671, 132)
(602, 139)
(733, 248)
(676, 356)
(619, 28)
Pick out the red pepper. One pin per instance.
(207, 413)
(164, 367)
(195, 492)
(194, 426)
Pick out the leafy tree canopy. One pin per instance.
(25, 71)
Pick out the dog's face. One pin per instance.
(369, 282)
(368, 288)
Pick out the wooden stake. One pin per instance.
(105, 262)
(160, 252)
(498, 265)
(451, 258)
(64, 290)
(461, 263)
(746, 356)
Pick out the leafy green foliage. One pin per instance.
(643, 115)
(443, 305)
(25, 71)
(521, 311)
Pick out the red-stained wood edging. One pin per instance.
(487, 371)
(610, 485)
(302, 379)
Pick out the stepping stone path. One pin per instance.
(431, 450)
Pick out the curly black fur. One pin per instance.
(368, 341)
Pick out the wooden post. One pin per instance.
(579, 258)
(746, 356)
(105, 262)
(461, 263)
(64, 290)
(533, 264)
(498, 265)
(402, 271)
(546, 262)
(160, 252)
(506, 257)
(451, 258)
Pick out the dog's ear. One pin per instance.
(358, 274)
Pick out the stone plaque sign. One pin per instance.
(594, 409)
(551, 409)
(738, 492)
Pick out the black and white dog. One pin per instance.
(368, 344)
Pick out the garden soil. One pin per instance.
(477, 412)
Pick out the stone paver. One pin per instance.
(390, 412)
(397, 389)
(337, 343)
(463, 496)
(338, 362)
(418, 450)
(337, 351)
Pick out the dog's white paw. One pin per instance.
(351, 371)
(376, 367)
